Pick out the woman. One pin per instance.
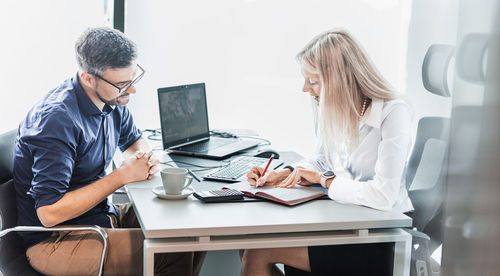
(362, 123)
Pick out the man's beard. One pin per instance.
(114, 101)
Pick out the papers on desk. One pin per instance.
(287, 196)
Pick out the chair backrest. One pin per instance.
(12, 258)
(425, 174)
(7, 141)
(428, 128)
(435, 69)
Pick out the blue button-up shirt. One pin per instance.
(65, 143)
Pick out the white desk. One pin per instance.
(189, 225)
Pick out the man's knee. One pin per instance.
(67, 253)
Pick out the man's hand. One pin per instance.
(139, 149)
(136, 168)
(152, 162)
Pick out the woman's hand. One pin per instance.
(271, 177)
(301, 176)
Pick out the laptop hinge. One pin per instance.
(189, 143)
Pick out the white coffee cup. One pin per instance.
(175, 180)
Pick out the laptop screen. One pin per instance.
(183, 114)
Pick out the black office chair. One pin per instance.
(13, 259)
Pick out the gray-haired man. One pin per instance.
(63, 146)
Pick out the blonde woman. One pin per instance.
(362, 122)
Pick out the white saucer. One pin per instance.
(160, 192)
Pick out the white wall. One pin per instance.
(37, 49)
(244, 50)
(245, 53)
(431, 22)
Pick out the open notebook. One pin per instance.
(286, 196)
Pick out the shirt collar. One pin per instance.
(373, 115)
(86, 105)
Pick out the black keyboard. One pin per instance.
(206, 145)
(239, 167)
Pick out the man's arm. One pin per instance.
(78, 202)
(140, 145)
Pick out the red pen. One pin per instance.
(265, 169)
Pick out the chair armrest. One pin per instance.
(417, 235)
(94, 228)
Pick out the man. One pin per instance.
(63, 147)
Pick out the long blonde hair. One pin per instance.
(347, 78)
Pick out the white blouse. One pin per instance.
(376, 167)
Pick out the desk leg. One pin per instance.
(149, 260)
(402, 256)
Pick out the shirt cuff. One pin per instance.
(344, 190)
(307, 164)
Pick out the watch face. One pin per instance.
(328, 173)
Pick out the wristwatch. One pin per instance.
(325, 176)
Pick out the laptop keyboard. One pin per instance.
(206, 145)
(238, 167)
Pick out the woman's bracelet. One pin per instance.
(289, 167)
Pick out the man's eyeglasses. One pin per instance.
(127, 85)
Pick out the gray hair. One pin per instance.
(101, 48)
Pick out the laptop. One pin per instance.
(184, 124)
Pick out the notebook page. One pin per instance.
(285, 194)
(244, 186)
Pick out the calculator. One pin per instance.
(223, 195)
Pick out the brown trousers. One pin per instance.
(79, 252)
